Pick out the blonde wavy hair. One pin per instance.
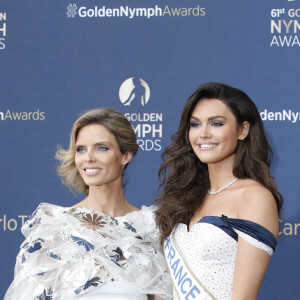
(115, 122)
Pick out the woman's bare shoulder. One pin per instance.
(257, 204)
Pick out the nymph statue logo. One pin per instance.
(134, 91)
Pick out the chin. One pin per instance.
(206, 160)
(92, 182)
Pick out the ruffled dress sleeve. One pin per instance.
(69, 252)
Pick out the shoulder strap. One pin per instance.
(252, 229)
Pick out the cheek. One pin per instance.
(77, 160)
(191, 136)
(111, 160)
(232, 139)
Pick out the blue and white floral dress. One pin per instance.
(78, 253)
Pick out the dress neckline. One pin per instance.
(199, 221)
(92, 210)
(230, 220)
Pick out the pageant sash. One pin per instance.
(184, 281)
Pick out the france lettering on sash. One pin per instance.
(185, 284)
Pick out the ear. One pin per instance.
(127, 158)
(244, 130)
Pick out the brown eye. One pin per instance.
(195, 124)
(217, 124)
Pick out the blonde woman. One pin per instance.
(103, 247)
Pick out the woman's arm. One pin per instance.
(251, 265)
(251, 262)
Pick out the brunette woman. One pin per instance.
(218, 210)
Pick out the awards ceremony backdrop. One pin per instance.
(59, 58)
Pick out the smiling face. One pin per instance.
(214, 132)
(98, 158)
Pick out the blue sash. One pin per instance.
(184, 282)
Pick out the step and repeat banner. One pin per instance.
(59, 58)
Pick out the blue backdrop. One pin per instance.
(60, 58)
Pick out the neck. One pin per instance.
(107, 199)
(221, 173)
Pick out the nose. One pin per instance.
(89, 156)
(204, 132)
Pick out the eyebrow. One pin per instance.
(96, 144)
(210, 118)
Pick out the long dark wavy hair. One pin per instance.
(184, 178)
